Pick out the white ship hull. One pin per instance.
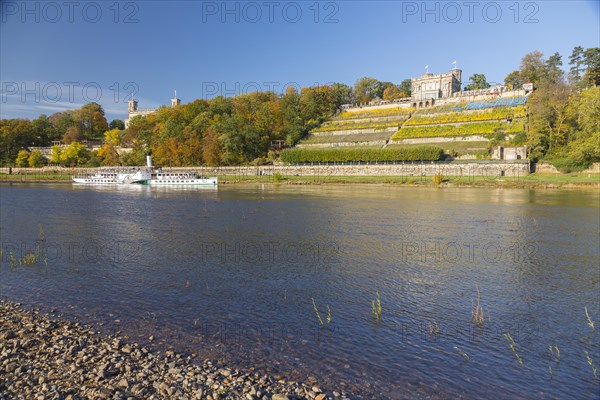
(145, 176)
(121, 177)
(184, 182)
(95, 181)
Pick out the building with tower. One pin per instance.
(133, 111)
(429, 87)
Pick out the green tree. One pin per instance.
(72, 134)
(211, 149)
(392, 93)
(75, 154)
(293, 125)
(117, 124)
(478, 81)
(316, 105)
(36, 159)
(15, 135)
(22, 159)
(513, 80)
(554, 73)
(405, 88)
(367, 89)
(108, 154)
(549, 117)
(576, 61)
(113, 137)
(43, 131)
(342, 94)
(91, 120)
(592, 61)
(532, 68)
(61, 122)
(56, 155)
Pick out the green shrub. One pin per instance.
(499, 136)
(356, 154)
(22, 159)
(437, 179)
(36, 159)
(567, 165)
(519, 139)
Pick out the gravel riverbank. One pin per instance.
(44, 358)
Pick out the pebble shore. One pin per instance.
(42, 358)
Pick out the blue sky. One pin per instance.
(55, 56)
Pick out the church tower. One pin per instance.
(175, 101)
(132, 106)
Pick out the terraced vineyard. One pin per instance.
(374, 113)
(362, 124)
(468, 116)
(462, 128)
(465, 129)
(349, 138)
(359, 127)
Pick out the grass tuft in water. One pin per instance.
(318, 314)
(554, 357)
(29, 259)
(513, 346)
(590, 322)
(554, 354)
(477, 315)
(13, 260)
(376, 308)
(462, 353)
(591, 364)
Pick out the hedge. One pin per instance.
(423, 153)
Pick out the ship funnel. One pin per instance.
(148, 161)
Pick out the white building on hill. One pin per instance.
(436, 86)
(133, 111)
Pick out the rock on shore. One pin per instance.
(42, 358)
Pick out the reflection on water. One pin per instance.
(231, 273)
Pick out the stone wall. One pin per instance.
(465, 168)
(378, 143)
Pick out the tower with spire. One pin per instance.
(175, 101)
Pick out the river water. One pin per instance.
(284, 279)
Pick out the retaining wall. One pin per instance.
(464, 168)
